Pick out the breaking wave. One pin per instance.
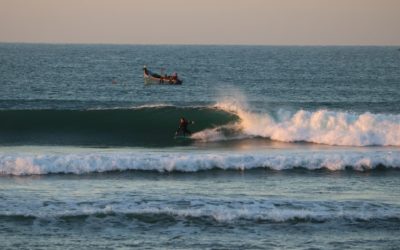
(155, 125)
(321, 126)
(105, 161)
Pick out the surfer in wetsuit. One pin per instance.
(183, 124)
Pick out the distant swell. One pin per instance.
(104, 161)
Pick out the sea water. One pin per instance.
(292, 147)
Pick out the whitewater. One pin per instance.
(321, 126)
(41, 160)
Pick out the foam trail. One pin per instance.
(87, 162)
(322, 126)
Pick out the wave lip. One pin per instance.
(84, 163)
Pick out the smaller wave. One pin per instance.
(84, 162)
(222, 212)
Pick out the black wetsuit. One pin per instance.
(183, 128)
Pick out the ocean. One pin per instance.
(292, 147)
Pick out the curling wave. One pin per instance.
(155, 125)
(147, 125)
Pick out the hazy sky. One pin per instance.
(277, 22)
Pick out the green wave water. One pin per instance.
(143, 126)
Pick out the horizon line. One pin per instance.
(202, 44)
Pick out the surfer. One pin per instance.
(183, 124)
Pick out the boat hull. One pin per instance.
(155, 80)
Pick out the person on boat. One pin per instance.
(174, 78)
(182, 129)
(168, 78)
(148, 72)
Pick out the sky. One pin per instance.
(260, 22)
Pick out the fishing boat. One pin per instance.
(153, 78)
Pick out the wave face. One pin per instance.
(321, 126)
(103, 161)
(153, 125)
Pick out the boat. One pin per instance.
(153, 78)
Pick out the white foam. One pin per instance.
(28, 163)
(322, 126)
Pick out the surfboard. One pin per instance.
(182, 137)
